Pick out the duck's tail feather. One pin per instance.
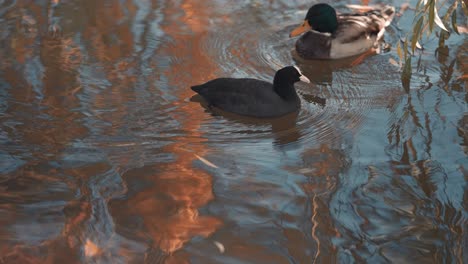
(388, 12)
(385, 11)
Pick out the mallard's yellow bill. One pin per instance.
(300, 29)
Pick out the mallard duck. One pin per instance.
(252, 97)
(331, 36)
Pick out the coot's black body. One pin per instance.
(251, 97)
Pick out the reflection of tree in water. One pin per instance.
(42, 75)
(463, 132)
(323, 167)
(419, 193)
(71, 72)
(460, 85)
(94, 69)
(169, 209)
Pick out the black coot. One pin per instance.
(253, 97)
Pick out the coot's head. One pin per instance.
(290, 74)
(321, 17)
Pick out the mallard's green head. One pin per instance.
(320, 17)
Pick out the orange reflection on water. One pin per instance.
(45, 93)
(53, 62)
(327, 163)
(173, 220)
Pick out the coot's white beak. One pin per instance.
(304, 79)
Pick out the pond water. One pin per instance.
(105, 157)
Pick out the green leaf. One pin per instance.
(438, 21)
(418, 5)
(421, 7)
(426, 5)
(454, 21)
(399, 51)
(416, 33)
(406, 75)
(405, 47)
(447, 15)
(464, 7)
(431, 14)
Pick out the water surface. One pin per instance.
(105, 157)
